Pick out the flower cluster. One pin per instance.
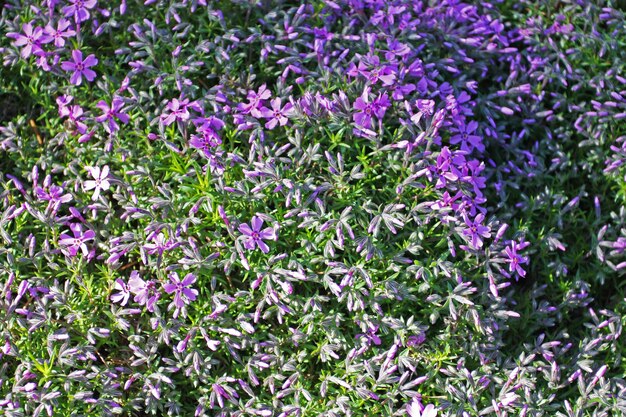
(334, 208)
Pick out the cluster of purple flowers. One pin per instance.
(315, 225)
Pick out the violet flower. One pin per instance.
(79, 9)
(160, 245)
(277, 115)
(254, 236)
(110, 113)
(515, 259)
(206, 139)
(467, 139)
(99, 182)
(363, 118)
(178, 110)
(371, 68)
(416, 340)
(145, 292)
(29, 41)
(72, 244)
(255, 101)
(426, 106)
(80, 67)
(75, 113)
(63, 102)
(57, 35)
(182, 293)
(54, 195)
(475, 230)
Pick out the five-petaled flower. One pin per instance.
(255, 100)
(54, 195)
(466, 137)
(145, 291)
(100, 180)
(368, 109)
(80, 67)
(110, 113)
(515, 259)
(79, 9)
(253, 237)
(277, 115)
(182, 293)
(363, 117)
(178, 110)
(72, 244)
(29, 41)
(57, 35)
(205, 140)
(476, 230)
(415, 409)
(124, 292)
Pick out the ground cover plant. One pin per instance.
(266, 208)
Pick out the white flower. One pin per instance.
(413, 409)
(99, 182)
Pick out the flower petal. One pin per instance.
(245, 229)
(257, 223)
(263, 246)
(77, 56)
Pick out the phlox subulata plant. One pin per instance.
(332, 208)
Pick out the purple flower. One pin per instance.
(111, 113)
(79, 9)
(145, 291)
(206, 139)
(255, 101)
(99, 182)
(75, 113)
(182, 293)
(619, 245)
(416, 340)
(63, 102)
(59, 33)
(72, 245)
(30, 40)
(465, 137)
(426, 106)
(124, 292)
(515, 259)
(160, 245)
(277, 115)
(363, 118)
(475, 230)
(370, 336)
(380, 105)
(80, 67)
(54, 195)
(447, 165)
(371, 68)
(178, 110)
(254, 236)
